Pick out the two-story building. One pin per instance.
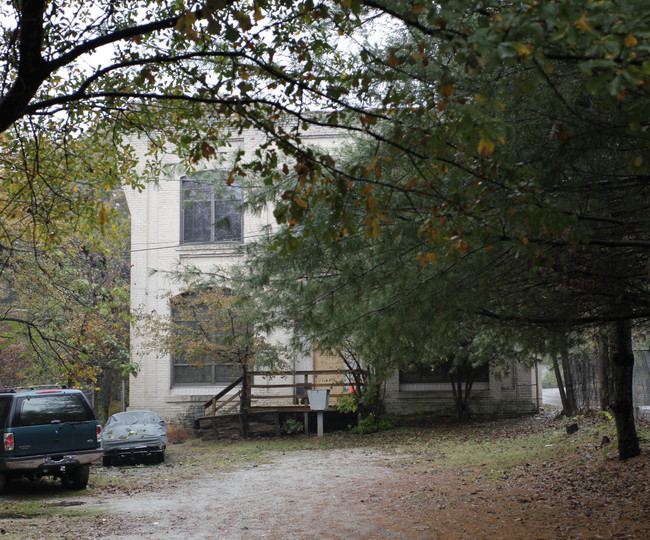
(189, 218)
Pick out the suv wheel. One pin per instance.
(76, 478)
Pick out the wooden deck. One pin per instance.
(254, 403)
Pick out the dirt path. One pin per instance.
(307, 494)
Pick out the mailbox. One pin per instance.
(319, 399)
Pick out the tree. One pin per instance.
(526, 156)
(520, 123)
(67, 310)
(211, 325)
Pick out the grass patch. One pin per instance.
(24, 510)
(499, 445)
(42, 509)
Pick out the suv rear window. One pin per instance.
(35, 410)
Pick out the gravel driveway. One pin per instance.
(340, 493)
(317, 494)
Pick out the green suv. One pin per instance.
(48, 431)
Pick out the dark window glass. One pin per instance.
(209, 374)
(46, 409)
(439, 374)
(211, 211)
(5, 407)
(198, 368)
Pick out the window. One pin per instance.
(199, 356)
(440, 375)
(5, 407)
(211, 211)
(38, 410)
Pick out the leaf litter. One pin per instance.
(518, 478)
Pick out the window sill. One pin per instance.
(210, 249)
(438, 387)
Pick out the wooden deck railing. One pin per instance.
(280, 394)
(214, 404)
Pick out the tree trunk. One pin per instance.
(571, 405)
(560, 385)
(107, 386)
(245, 401)
(604, 373)
(461, 385)
(457, 393)
(623, 367)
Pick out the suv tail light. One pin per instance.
(99, 433)
(9, 442)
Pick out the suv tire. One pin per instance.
(76, 478)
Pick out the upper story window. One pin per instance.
(211, 211)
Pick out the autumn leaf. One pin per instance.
(524, 50)
(485, 146)
(582, 24)
(630, 41)
(185, 23)
(102, 217)
(411, 184)
(447, 90)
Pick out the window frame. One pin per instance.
(426, 379)
(218, 371)
(206, 183)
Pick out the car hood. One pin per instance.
(133, 435)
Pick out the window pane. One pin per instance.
(206, 374)
(197, 317)
(226, 373)
(227, 224)
(45, 409)
(192, 374)
(196, 221)
(5, 405)
(427, 375)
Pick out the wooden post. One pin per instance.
(245, 401)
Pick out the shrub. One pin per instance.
(370, 425)
(291, 426)
(347, 403)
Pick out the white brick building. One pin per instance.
(161, 237)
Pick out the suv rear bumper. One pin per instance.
(46, 461)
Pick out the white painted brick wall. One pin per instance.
(156, 249)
